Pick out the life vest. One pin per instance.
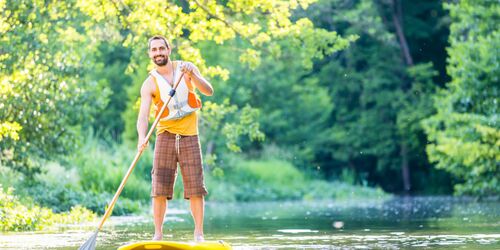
(184, 101)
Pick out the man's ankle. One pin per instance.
(198, 237)
(158, 236)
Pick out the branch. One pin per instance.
(204, 8)
(123, 15)
(396, 11)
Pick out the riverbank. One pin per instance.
(81, 184)
(27, 216)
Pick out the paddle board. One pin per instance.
(172, 245)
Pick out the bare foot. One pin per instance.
(157, 237)
(198, 238)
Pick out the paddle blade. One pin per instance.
(90, 243)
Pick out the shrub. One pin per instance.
(15, 216)
(275, 179)
(102, 167)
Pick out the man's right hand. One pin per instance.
(142, 144)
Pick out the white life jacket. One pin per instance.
(184, 101)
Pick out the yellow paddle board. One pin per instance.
(171, 245)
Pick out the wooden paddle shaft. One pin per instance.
(137, 156)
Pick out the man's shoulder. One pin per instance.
(178, 62)
(149, 83)
(148, 80)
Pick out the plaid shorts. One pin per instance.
(171, 149)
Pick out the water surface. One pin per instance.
(398, 223)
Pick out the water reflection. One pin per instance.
(436, 222)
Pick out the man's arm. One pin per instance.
(143, 118)
(194, 75)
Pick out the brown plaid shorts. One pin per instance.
(171, 149)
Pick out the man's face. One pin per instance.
(159, 52)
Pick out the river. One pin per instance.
(395, 223)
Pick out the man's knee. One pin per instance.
(159, 198)
(196, 198)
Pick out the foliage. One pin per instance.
(129, 115)
(465, 132)
(14, 216)
(10, 129)
(113, 60)
(363, 83)
(89, 178)
(45, 96)
(323, 190)
(71, 71)
(377, 100)
(61, 199)
(230, 121)
(343, 106)
(260, 33)
(290, 106)
(101, 168)
(426, 26)
(276, 179)
(259, 23)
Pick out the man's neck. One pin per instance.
(166, 69)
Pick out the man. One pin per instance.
(177, 133)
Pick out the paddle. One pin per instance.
(90, 243)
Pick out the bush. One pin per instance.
(15, 216)
(102, 167)
(319, 190)
(90, 178)
(274, 179)
(61, 199)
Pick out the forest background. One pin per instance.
(324, 99)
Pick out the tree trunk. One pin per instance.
(405, 168)
(397, 19)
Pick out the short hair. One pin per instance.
(158, 37)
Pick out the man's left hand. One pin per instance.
(188, 68)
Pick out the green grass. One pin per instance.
(273, 179)
(272, 171)
(102, 167)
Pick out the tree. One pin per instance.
(464, 134)
(113, 60)
(56, 88)
(380, 93)
(46, 98)
(245, 36)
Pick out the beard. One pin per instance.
(161, 60)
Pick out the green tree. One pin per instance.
(380, 92)
(57, 87)
(406, 21)
(46, 99)
(290, 105)
(246, 37)
(112, 59)
(465, 134)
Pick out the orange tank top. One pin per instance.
(187, 125)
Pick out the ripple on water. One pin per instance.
(297, 231)
(427, 223)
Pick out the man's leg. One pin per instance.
(163, 177)
(192, 176)
(159, 209)
(197, 211)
